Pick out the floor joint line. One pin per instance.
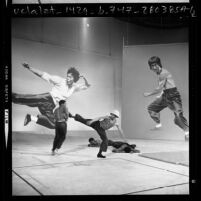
(27, 182)
(156, 188)
(50, 164)
(156, 167)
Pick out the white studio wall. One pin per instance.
(54, 45)
(95, 101)
(137, 78)
(95, 46)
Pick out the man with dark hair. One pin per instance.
(100, 124)
(94, 143)
(118, 146)
(169, 97)
(62, 89)
(61, 116)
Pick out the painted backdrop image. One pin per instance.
(123, 82)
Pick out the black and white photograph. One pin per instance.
(94, 1)
(100, 105)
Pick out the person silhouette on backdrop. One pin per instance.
(62, 89)
(169, 97)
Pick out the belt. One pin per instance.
(62, 120)
(170, 89)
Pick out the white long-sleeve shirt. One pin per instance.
(60, 90)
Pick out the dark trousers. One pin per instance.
(117, 144)
(43, 102)
(60, 134)
(171, 98)
(96, 126)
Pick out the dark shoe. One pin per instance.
(77, 117)
(70, 115)
(101, 156)
(27, 119)
(80, 119)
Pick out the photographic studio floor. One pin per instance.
(76, 170)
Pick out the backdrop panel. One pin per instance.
(137, 79)
(98, 69)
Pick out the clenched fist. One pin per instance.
(25, 65)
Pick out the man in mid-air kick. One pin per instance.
(62, 89)
(169, 97)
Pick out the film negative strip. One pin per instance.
(146, 15)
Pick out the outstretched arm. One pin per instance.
(65, 111)
(83, 86)
(159, 89)
(156, 91)
(85, 81)
(33, 70)
(45, 76)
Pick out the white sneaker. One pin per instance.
(158, 125)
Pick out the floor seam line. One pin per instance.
(50, 164)
(155, 167)
(157, 188)
(27, 182)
